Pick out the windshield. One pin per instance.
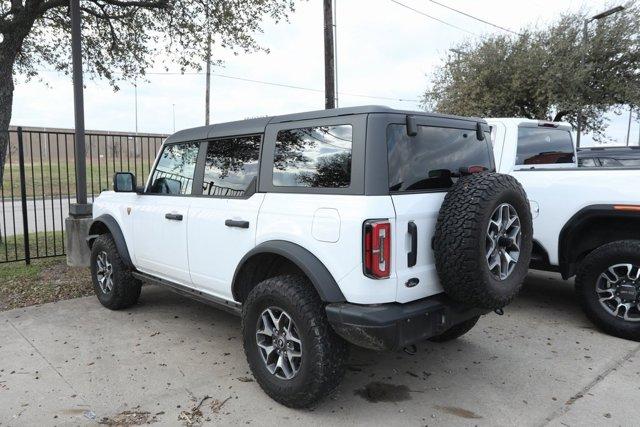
(435, 157)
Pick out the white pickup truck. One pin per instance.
(586, 220)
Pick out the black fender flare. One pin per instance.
(308, 263)
(570, 231)
(112, 225)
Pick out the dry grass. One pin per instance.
(43, 281)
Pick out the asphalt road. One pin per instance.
(542, 363)
(41, 213)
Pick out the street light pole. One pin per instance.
(585, 36)
(79, 220)
(81, 206)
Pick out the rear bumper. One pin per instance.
(394, 326)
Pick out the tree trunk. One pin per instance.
(6, 102)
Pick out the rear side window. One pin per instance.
(175, 169)
(540, 146)
(231, 166)
(434, 158)
(316, 157)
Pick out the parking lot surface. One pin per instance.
(173, 361)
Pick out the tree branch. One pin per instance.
(153, 4)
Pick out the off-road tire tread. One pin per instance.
(456, 331)
(330, 352)
(589, 270)
(456, 238)
(126, 288)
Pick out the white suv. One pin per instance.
(366, 225)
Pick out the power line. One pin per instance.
(263, 82)
(474, 17)
(434, 18)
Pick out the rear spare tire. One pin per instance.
(482, 242)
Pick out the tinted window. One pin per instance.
(318, 157)
(174, 172)
(587, 162)
(231, 166)
(539, 146)
(629, 162)
(609, 162)
(432, 160)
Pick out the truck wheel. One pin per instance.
(456, 331)
(482, 243)
(113, 283)
(294, 354)
(608, 284)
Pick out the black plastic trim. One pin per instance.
(230, 306)
(569, 233)
(311, 266)
(393, 326)
(114, 228)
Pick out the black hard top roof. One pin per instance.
(257, 125)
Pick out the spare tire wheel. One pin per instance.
(483, 240)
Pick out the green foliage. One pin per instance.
(540, 73)
(123, 38)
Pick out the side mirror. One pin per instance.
(124, 182)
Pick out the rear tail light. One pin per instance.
(377, 248)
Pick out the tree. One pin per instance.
(121, 38)
(538, 74)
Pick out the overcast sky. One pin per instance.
(384, 50)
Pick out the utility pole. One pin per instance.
(79, 220)
(135, 94)
(173, 106)
(335, 47)
(629, 125)
(329, 58)
(207, 96)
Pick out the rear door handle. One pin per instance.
(173, 217)
(412, 255)
(236, 223)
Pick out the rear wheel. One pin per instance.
(608, 283)
(113, 283)
(294, 354)
(456, 331)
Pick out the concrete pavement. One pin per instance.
(542, 363)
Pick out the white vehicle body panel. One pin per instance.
(290, 217)
(215, 250)
(557, 193)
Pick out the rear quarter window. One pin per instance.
(543, 146)
(434, 158)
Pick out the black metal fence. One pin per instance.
(39, 181)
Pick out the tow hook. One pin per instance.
(411, 350)
(499, 311)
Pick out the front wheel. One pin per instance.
(292, 351)
(608, 284)
(113, 283)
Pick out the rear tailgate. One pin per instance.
(421, 169)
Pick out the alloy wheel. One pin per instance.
(279, 343)
(618, 290)
(502, 242)
(104, 272)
